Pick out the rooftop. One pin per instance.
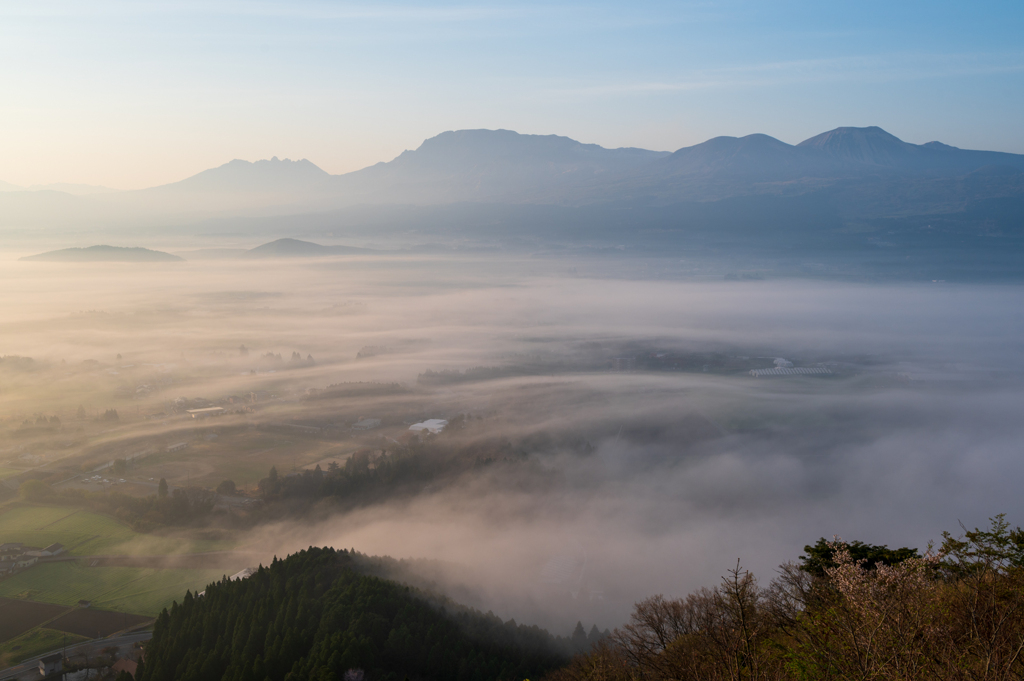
(431, 425)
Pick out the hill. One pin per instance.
(294, 248)
(104, 254)
(313, 615)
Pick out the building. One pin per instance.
(51, 550)
(203, 413)
(177, 446)
(125, 665)
(431, 425)
(11, 550)
(51, 665)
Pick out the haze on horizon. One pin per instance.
(130, 95)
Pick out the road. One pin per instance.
(30, 669)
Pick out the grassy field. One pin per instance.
(89, 534)
(142, 591)
(8, 472)
(33, 643)
(81, 532)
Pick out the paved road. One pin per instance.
(30, 669)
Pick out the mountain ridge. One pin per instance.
(503, 165)
(296, 248)
(104, 253)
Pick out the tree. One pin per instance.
(120, 466)
(821, 556)
(579, 637)
(81, 411)
(998, 548)
(34, 490)
(161, 490)
(226, 488)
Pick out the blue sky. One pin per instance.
(132, 94)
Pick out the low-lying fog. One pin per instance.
(918, 427)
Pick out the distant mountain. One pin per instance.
(294, 248)
(487, 165)
(848, 188)
(875, 148)
(8, 187)
(275, 175)
(504, 166)
(235, 187)
(104, 254)
(754, 158)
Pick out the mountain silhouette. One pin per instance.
(873, 147)
(104, 254)
(481, 165)
(294, 248)
(245, 176)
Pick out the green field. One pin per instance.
(33, 643)
(90, 534)
(141, 591)
(81, 532)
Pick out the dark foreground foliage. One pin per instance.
(955, 615)
(312, 616)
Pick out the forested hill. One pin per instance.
(312, 616)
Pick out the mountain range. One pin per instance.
(844, 189)
(505, 166)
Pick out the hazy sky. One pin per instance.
(132, 94)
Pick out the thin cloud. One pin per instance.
(875, 68)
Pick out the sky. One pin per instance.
(131, 94)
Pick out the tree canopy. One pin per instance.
(313, 616)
